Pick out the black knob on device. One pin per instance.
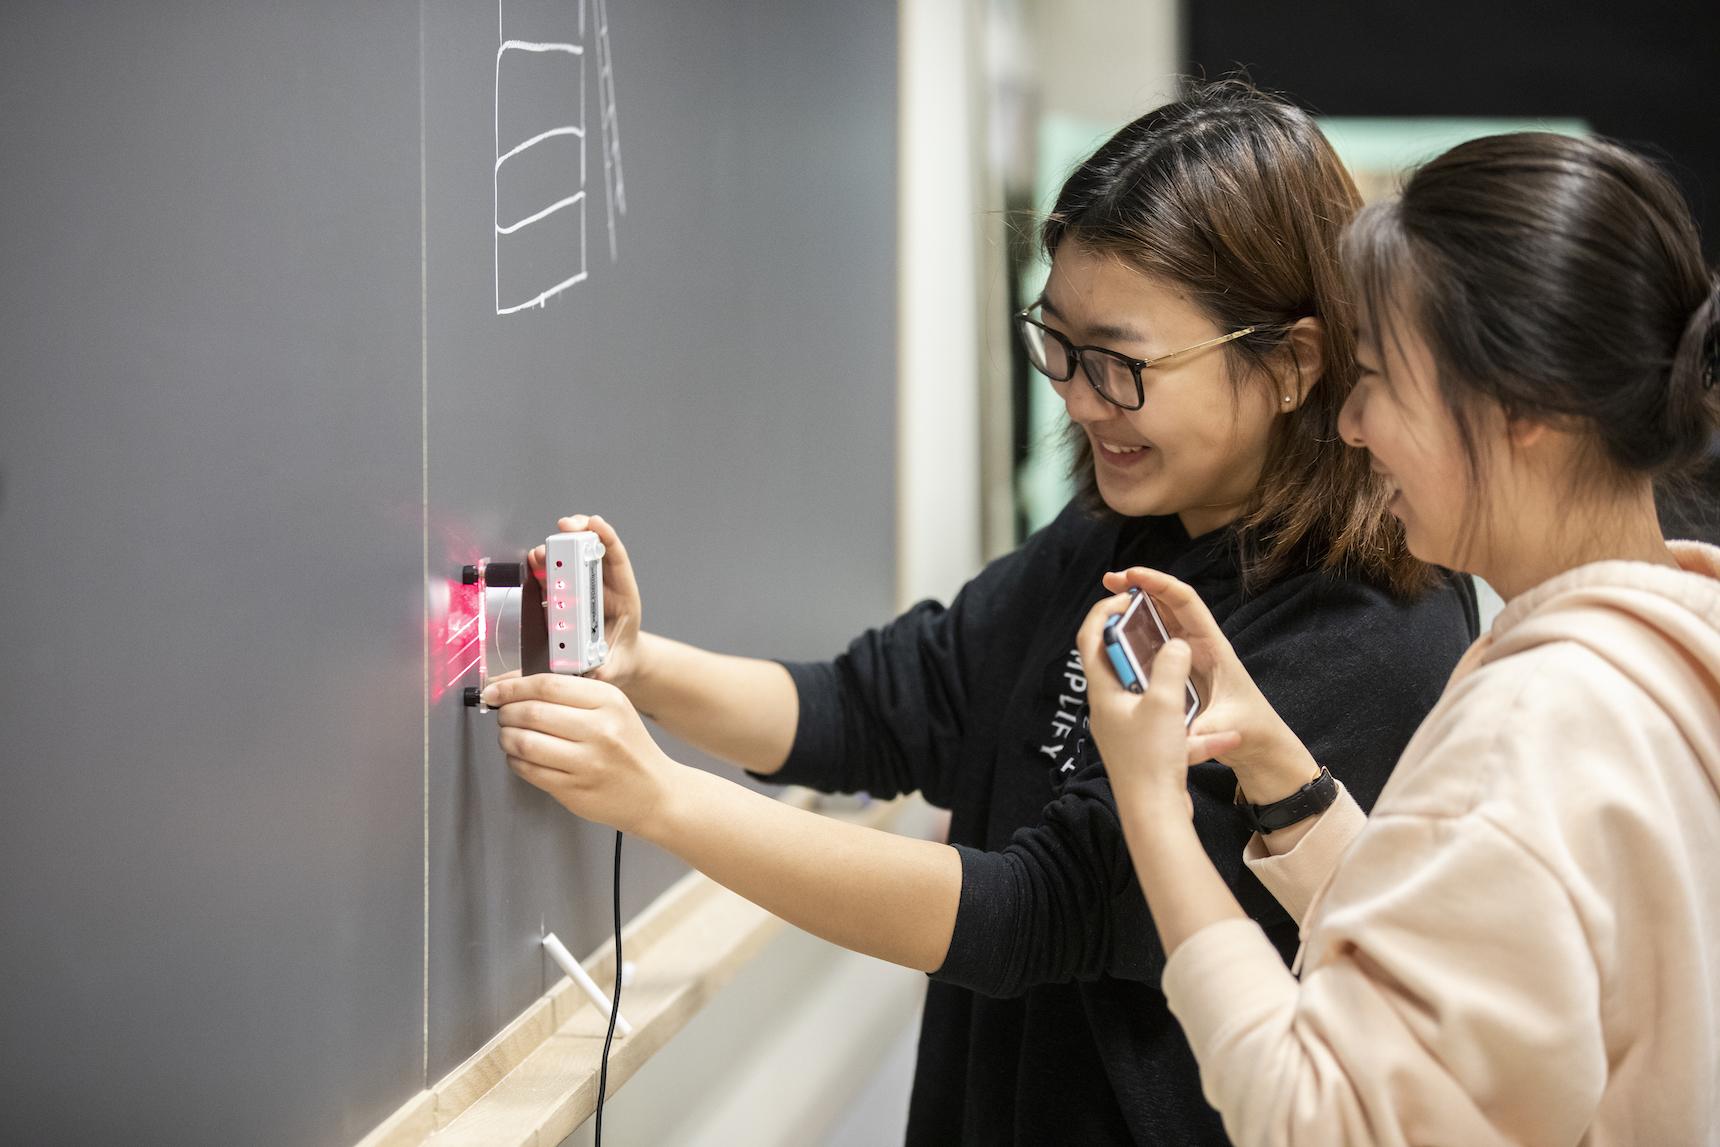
(504, 575)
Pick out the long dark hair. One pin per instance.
(1560, 279)
(1236, 197)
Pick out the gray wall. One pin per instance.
(261, 876)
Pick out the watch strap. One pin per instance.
(1311, 799)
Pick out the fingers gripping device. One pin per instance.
(571, 638)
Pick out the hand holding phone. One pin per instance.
(1132, 639)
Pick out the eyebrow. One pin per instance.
(1109, 332)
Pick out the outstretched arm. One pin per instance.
(877, 893)
(873, 892)
(741, 709)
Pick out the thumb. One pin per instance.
(1211, 746)
(1169, 673)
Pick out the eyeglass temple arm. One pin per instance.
(1219, 341)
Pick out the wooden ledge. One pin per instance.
(536, 1081)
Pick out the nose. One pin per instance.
(1083, 402)
(1350, 420)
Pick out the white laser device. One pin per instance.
(573, 602)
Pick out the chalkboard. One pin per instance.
(304, 306)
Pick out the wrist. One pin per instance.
(672, 806)
(1151, 804)
(1279, 776)
(1305, 803)
(644, 651)
(1156, 824)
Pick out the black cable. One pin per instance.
(614, 1001)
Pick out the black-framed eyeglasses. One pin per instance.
(1114, 377)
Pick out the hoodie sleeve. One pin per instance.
(891, 714)
(1453, 985)
(1060, 902)
(1430, 1012)
(1296, 875)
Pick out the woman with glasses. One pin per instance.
(1194, 326)
(1521, 944)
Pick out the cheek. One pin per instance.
(1383, 433)
(1203, 423)
(1427, 458)
(1236, 429)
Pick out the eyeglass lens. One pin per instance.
(1046, 353)
(1110, 374)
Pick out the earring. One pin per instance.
(1286, 398)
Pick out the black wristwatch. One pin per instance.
(1311, 799)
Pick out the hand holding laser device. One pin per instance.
(570, 638)
(620, 607)
(588, 748)
(582, 741)
(579, 739)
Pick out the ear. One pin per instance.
(1526, 432)
(1523, 433)
(1300, 363)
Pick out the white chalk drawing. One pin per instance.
(574, 198)
(571, 202)
(607, 126)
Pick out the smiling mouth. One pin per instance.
(1116, 449)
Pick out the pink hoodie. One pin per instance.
(1522, 944)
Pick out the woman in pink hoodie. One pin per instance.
(1521, 944)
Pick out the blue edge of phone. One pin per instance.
(1119, 660)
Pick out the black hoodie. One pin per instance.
(1046, 1023)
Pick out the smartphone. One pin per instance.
(1132, 639)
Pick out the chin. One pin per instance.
(1136, 499)
(1424, 549)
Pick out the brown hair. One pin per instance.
(1561, 280)
(1236, 197)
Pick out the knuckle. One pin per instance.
(1162, 699)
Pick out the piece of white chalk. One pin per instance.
(564, 959)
